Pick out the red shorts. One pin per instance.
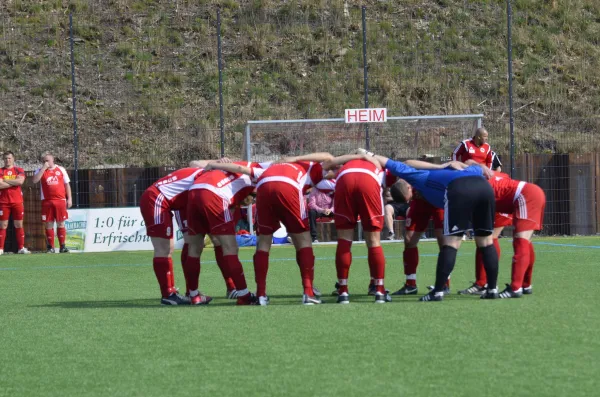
(157, 215)
(280, 202)
(181, 218)
(16, 209)
(358, 194)
(54, 210)
(209, 213)
(420, 212)
(529, 208)
(503, 220)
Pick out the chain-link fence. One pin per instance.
(146, 79)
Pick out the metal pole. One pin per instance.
(74, 99)
(366, 73)
(248, 152)
(220, 64)
(510, 88)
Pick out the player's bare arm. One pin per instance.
(4, 185)
(316, 157)
(69, 195)
(18, 181)
(457, 165)
(38, 176)
(487, 173)
(204, 163)
(229, 167)
(341, 160)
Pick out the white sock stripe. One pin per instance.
(411, 276)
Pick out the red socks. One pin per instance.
(161, 270)
(343, 260)
(520, 263)
(497, 245)
(480, 276)
(529, 272)
(50, 237)
(219, 257)
(377, 265)
(62, 235)
(20, 234)
(261, 268)
(191, 272)
(2, 238)
(306, 262)
(411, 262)
(234, 269)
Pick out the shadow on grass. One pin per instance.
(275, 300)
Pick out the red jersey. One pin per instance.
(382, 177)
(176, 185)
(13, 194)
(302, 174)
(53, 183)
(467, 150)
(506, 191)
(231, 187)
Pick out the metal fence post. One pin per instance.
(74, 99)
(510, 88)
(220, 65)
(366, 73)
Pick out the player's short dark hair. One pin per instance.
(399, 191)
(7, 153)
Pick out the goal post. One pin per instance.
(396, 137)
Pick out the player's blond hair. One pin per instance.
(46, 153)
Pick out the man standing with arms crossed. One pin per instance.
(11, 201)
(56, 198)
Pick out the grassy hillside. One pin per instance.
(147, 76)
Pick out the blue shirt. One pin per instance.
(431, 184)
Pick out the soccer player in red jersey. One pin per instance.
(166, 198)
(56, 198)
(11, 201)
(280, 198)
(358, 193)
(526, 202)
(213, 198)
(476, 149)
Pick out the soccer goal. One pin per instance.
(398, 137)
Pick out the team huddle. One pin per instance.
(205, 199)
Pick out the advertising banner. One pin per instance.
(110, 229)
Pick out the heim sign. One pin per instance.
(374, 115)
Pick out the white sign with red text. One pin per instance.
(374, 115)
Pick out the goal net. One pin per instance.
(399, 137)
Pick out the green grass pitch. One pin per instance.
(91, 325)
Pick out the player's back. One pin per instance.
(175, 185)
(362, 167)
(233, 187)
(506, 191)
(302, 174)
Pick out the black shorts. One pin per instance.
(399, 208)
(469, 204)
